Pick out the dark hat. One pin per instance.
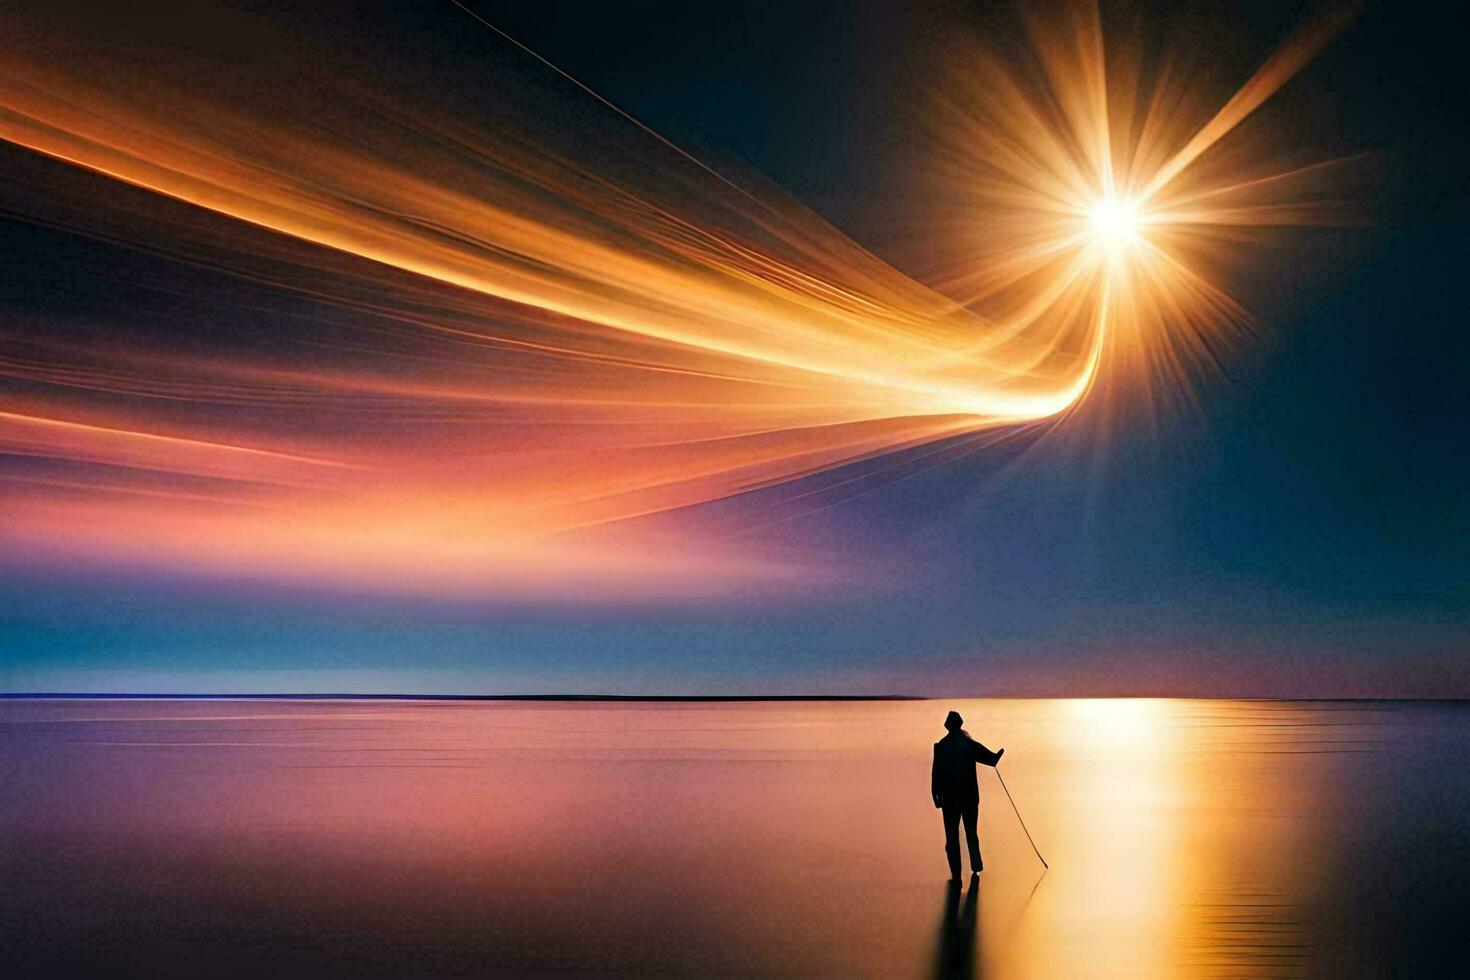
(953, 721)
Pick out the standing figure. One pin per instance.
(956, 791)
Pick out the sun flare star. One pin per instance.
(508, 341)
(1115, 222)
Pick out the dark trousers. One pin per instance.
(969, 811)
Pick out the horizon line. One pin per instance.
(317, 696)
(668, 698)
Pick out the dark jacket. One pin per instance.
(953, 780)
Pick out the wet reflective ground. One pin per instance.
(1186, 838)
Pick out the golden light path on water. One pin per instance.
(532, 334)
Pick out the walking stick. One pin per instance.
(1018, 817)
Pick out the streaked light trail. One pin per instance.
(525, 324)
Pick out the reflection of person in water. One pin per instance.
(956, 791)
(957, 932)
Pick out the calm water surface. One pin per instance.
(1186, 838)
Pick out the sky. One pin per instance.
(1291, 522)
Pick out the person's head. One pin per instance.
(953, 721)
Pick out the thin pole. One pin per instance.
(1018, 817)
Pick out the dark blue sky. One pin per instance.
(1306, 531)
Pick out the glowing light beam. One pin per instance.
(488, 331)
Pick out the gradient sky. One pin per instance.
(1304, 531)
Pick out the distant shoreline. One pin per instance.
(64, 696)
(685, 698)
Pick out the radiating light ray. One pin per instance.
(1276, 72)
(461, 339)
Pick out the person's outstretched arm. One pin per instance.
(984, 756)
(934, 780)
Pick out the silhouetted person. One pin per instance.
(957, 792)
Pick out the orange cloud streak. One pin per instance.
(517, 341)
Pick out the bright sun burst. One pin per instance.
(584, 341)
(1116, 222)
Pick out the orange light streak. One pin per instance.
(513, 342)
